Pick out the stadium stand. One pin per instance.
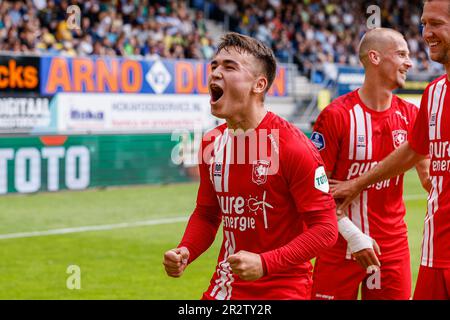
(312, 35)
(114, 28)
(308, 33)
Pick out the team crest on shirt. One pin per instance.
(399, 137)
(318, 140)
(260, 171)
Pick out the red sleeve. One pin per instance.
(412, 118)
(201, 230)
(419, 137)
(322, 233)
(327, 136)
(206, 218)
(206, 195)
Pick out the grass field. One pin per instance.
(118, 263)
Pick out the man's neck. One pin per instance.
(250, 120)
(375, 97)
(447, 70)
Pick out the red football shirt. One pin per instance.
(352, 139)
(263, 185)
(432, 136)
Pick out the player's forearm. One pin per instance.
(399, 161)
(201, 230)
(423, 171)
(322, 233)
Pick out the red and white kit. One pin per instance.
(264, 204)
(352, 139)
(431, 135)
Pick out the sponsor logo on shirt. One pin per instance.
(402, 116)
(433, 120)
(217, 169)
(240, 213)
(318, 140)
(399, 137)
(321, 180)
(260, 170)
(358, 168)
(361, 142)
(440, 156)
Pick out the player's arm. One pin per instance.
(200, 233)
(321, 233)
(397, 162)
(308, 186)
(300, 167)
(201, 229)
(330, 131)
(423, 171)
(198, 237)
(360, 245)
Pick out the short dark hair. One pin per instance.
(254, 47)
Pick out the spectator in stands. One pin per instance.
(307, 32)
(116, 28)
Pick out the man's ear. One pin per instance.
(374, 57)
(260, 85)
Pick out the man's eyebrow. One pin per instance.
(226, 61)
(229, 61)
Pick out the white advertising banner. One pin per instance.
(84, 112)
(23, 114)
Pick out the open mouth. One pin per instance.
(216, 92)
(433, 44)
(404, 73)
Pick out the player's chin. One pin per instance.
(218, 112)
(401, 80)
(439, 57)
(400, 83)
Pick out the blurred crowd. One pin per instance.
(313, 33)
(129, 28)
(309, 33)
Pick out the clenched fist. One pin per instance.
(247, 265)
(175, 261)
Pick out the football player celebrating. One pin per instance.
(263, 179)
(353, 134)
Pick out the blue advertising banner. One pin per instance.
(119, 75)
(349, 79)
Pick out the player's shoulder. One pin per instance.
(336, 114)
(293, 142)
(288, 132)
(343, 103)
(211, 135)
(339, 108)
(438, 81)
(219, 130)
(404, 105)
